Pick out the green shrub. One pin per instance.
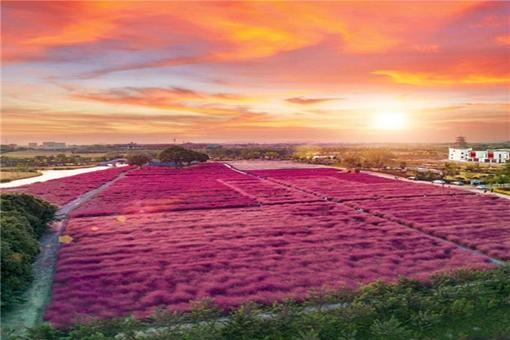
(23, 220)
(36, 211)
(19, 248)
(390, 329)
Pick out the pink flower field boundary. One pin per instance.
(141, 262)
(63, 190)
(162, 238)
(477, 222)
(157, 190)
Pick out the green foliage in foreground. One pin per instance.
(462, 305)
(23, 220)
(36, 211)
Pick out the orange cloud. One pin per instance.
(503, 39)
(309, 101)
(432, 79)
(173, 99)
(427, 48)
(251, 57)
(234, 32)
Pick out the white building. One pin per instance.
(461, 154)
(479, 156)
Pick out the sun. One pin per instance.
(390, 120)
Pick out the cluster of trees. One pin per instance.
(353, 158)
(180, 155)
(174, 154)
(138, 158)
(369, 158)
(502, 176)
(23, 221)
(52, 160)
(251, 153)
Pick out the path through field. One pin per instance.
(147, 238)
(165, 237)
(407, 225)
(38, 295)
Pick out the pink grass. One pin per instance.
(165, 237)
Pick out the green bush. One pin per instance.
(23, 220)
(36, 211)
(19, 248)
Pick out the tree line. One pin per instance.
(23, 221)
(173, 154)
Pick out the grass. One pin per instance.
(459, 305)
(47, 153)
(7, 176)
(504, 191)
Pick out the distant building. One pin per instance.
(458, 154)
(53, 145)
(32, 145)
(479, 156)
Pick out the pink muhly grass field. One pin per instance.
(64, 190)
(162, 237)
(158, 190)
(343, 186)
(475, 221)
(117, 266)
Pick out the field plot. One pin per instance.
(267, 192)
(64, 190)
(164, 237)
(159, 189)
(137, 263)
(478, 222)
(343, 186)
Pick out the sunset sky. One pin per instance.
(149, 72)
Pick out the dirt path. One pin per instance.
(38, 295)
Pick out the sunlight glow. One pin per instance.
(390, 120)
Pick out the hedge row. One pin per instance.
(23, 220)
(460, 305)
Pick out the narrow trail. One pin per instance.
(30, 313)
(345, 204)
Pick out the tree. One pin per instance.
(450, 169)
(351, 160)
(377, 158)
(138, 158)
(180, 155)
(502, 176)
(460, 142)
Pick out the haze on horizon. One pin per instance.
(110, 72)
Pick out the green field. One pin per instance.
(7, 176)
(47, 153)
